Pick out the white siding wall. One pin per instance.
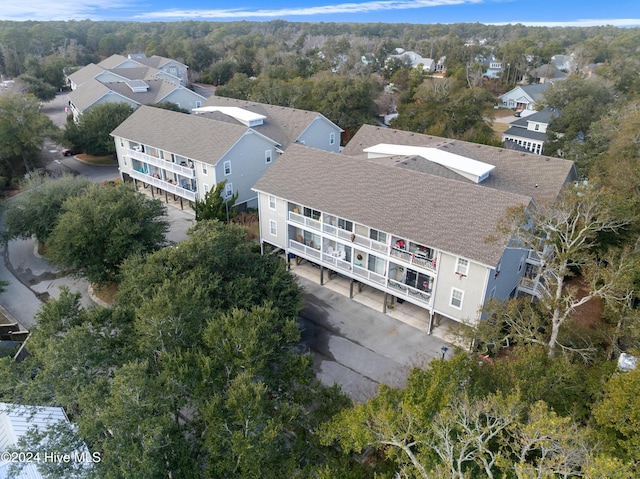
(473, 287)
(279, 215)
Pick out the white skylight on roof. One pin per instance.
(137, 86)
(245, 117)
(473, 170)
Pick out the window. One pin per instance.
(332, 138)
(462, 266)
(204, 168)
(228, 190)
(227, 168)
(378, 236)
(456, 298)
(309, 213)
(377, 265)
(345, 224)
(121, 142)
(272, 202)
(198, 103)
(273, 227)
(267, 156)
(537, 127)
(206, 188)
(124, 160)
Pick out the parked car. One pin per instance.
(70, 152)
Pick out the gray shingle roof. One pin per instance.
(158, 89)
(283, 124)
(442, 213)
(524, 133)
(191, 136)
(87, 94)
(535, 176)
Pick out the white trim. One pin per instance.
(451, 298)
(226, 164)
(268, 156)
(273, 227)
(204, 168)
(228, 190)
(272, 202)
(461, 267)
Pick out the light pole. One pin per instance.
(444, 350)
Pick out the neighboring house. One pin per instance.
(441, 65)
(282, 124)
(415, 59)
(133, 92)
(165, 68)
(16, 421)
(564, 62)
(136, 80)
(188, 155)
(546, 74)
(407, 214)
(530, 132)
(492, 68)
(523, 97)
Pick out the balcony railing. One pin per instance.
(416, 259)
(305, 250)
(166, 186)
(304, 220)
(532, 286)
(160, 163)
(402, 290)
(370, 275)
(371, 244)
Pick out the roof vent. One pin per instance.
(245, 117)
(474, 170)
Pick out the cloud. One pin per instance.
(42, 10)
(364, 7)
(616, 22)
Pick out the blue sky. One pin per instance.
(528, 12)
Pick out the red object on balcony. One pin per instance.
(400, 244)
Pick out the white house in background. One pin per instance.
(187, 155)
(523, 97)
(409, 215)
(414, 59)
(530, 132)
(282, 124)
(16, 421)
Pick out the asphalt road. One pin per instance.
(359, 347)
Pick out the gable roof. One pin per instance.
(156, 61)
(195, 137)
(535, 176)
(87, 94)
(113, 61)
(438, 212)
(157, 90)
(85, 74)
(283, 124)
(533, 92)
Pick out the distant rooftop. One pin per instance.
(471, 169)
(245, 117)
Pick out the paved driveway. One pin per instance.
(359, 347)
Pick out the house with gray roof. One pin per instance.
(187, 155)
(530, 132)
(283, 124)
(412, 216)
(523, 97)
(135, 80)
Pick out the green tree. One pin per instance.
(565, 234)
(23, 128)
(617, 416)
(35, 212)
(100, 228)
(39, 88)
(215, 206)
(92, 133)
